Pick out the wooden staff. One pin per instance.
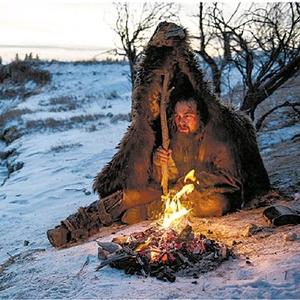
(164, 129)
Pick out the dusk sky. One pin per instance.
(72, 27)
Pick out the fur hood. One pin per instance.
(169, 50)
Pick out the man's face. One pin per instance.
(186, 117)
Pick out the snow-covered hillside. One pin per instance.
(68, 130)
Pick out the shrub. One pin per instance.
(23, 71)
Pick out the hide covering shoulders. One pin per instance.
(169, 51)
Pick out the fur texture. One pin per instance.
(169, 50)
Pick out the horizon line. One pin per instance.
(57, 47)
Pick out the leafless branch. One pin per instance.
(285, 104)
(134, 26)
(263, 43)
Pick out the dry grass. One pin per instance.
(63, 103)
(19, 72)
(6, 154)
(112, 95)
(54, 124)
(10, 134)
(65, 147)
(120, 117)
(14, 114)
(63, 100)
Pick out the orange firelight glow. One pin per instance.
(174, 211)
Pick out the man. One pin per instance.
(218, 143)
(194, 147)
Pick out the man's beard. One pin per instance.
(184, 151)
(183, 129)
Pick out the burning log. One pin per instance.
(165, 254)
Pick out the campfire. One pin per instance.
(167, 249)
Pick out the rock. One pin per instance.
(102, 254)
(7, 154)
(233, 243)
(110, 247)
(18, 166)
(291, 236)
(121, 240)
(186, 234)
(86, 192)
(249, 230)
(248, 262)
(223, 252)
(10, 134)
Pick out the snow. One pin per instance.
(277, 136)
(60, 163)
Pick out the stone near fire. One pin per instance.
(249, 230)
(290, 237)
(110, 247)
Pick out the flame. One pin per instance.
(191, 176)
(174, 211)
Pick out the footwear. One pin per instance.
(58, 236)
(78, 227)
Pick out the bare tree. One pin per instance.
(214, 42)
(133, 27)
(263, 44)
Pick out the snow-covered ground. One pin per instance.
(69, 131)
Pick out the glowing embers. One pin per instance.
(165, 253)
(169, 248)
(174, 210)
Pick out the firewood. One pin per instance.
(165, 253)
(112, 259)
(110, 247)
(87, 261)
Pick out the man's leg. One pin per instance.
(140, 205)
(88, 220)
(207, 204)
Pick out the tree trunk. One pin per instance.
(216, 73)
(254, 97)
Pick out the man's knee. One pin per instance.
(210, 205)
(149, 211)
(140, 205)
(134, 197)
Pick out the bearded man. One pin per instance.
(194, 146)
(218, 143)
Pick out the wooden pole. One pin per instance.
(164, 129)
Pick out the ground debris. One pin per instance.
(290, 237)
(19, 257)
(250, 229)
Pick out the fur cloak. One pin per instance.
(130, 168)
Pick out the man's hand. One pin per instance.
(161, 156)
